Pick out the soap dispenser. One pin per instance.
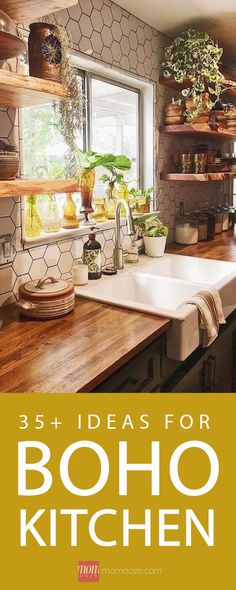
(92, 256)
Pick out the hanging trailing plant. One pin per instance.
(195, 57)
(71, 111)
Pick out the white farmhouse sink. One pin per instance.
(163, 287)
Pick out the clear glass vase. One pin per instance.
(51, 217)
(111, 201)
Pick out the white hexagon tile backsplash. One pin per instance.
(108, 33)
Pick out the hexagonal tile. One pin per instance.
(98, 4)
(37, 252)
(147, 66)
(86, 26)
(133, 22)
(5, 123)
(96, 41)
(77, 249)
(116, 51)
(7, 298)
(116, 12)
(65, 262)
(148, 48)
(52, 255)
(140, 54)
(73, 30)
(116, 31)
(85, 45)
(22, 263)
(124, 62)
(101, 240)
(148, 32)
(133, 40)
(75, 12)
(38, 269)
(86, 6)
(106, 55)
(53, 271)
(107, 15)
(106, 36)
(125, 26)
(62, 17)
(65, 245)
(108, 249)
(125, 46)
(17, 239)
(140, 35)
(133, 59)
(6, 206)
(97, 20)
(16, 214)
(7, 279)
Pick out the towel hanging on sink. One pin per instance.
(211, 312)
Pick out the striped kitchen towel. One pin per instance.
(211, 314)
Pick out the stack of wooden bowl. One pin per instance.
(174, 114)
(9, 161)
(46, 298)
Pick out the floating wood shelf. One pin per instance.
(19, 91)
(208, 177)
(20, 188)
(199, 129)
(172, 84)
(30, 10)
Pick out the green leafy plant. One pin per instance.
(137, 193)
(194, 56)
(112, 163)
(151, 226)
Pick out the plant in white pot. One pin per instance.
(155, 234)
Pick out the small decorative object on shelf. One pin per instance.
(154, 234)
(33, 224)
(51, 219)
(92, 257)
(70, 220)
(100, 212)
(44, 52)
(174, 114)
(87, 163)
(11, 45)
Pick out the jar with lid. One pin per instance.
(211, 222)
(218, 219)
(186, 230)
(202, 222)
(232, 215)
(225, 217)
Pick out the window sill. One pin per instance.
(83, 230)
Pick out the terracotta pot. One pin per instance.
(44, 52)
(174, 120)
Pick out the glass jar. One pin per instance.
(100, 213)
(211, 222)
(202, 222)
(186, 230)
(70, 220)
(123, 193)
(218, 220)
(232, 215)
(33, 224)
(110, 201)
(51, 217)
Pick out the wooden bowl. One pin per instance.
(9, 168)
(173, 120)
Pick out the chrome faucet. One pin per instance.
(118, 253)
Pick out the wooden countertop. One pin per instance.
(222, 247)
(74, 353)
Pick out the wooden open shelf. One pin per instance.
(19, 91)
(20, 188)
(199, 129)
(173, 85)
(30, 10)
(208, 177)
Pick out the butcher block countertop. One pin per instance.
(74, 353)
(222, 247)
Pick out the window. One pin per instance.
(114, 123)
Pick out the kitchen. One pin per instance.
(84, 190)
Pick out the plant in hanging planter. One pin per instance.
(87, 162)
(195, 57)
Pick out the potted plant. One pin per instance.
(141, 199)
(195, 58)
(113, 180)
(87, 163)
(154, 234)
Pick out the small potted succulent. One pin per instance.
(155, 234)
(193, 59)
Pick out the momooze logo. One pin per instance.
(88, 571)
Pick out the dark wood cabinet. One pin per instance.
(205, 371)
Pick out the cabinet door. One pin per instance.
(140, 375)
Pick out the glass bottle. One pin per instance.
(100, 213)
(70, 220)
(51, 217)
(92, 256)
(33, 224)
